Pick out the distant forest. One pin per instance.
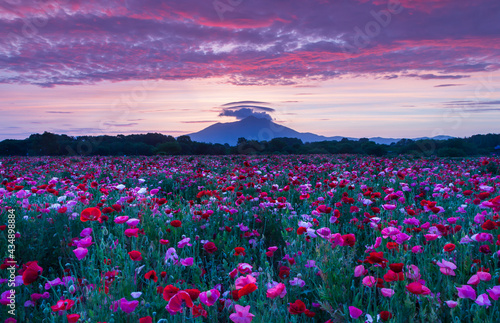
(49, 144)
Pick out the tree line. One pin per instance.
(49, 144)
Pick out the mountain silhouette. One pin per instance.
(261, 129)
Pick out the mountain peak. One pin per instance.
(263, 129)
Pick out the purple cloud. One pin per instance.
(62, 42)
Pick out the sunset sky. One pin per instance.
(358, 68)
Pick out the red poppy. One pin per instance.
(117, 207)
(417, 289)
(107, 210)
(135, 255)
(485, 249)
(247, 289)
(391, 276)
(198, 311)
(489, 225)
(31, 272)
(210, 247)
(234, 294)
(169, 292)
(385, 315)
(175, 303)
(239, 251)
(90, 214)
(392, 246)
(284, 272)
(301, 231)
(397, 267)
(297, 307)
(349, 239)
(73, 318)
(449, 247)
(376, 258)
(151, 275)
(193, 293)
(309, 313)
(146, 319)
(176, 223)
(63, 305)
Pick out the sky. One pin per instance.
(357, 68)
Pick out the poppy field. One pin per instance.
(242, 239)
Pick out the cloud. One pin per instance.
(434, 76)
(447, 85)
(114, 124)
(243, 113)
(256, 43)
(470, 103)
(244, 102)
(59, 112)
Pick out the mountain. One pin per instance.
(253, 128)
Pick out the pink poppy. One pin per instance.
(244, 280)
(242, 314)
(466, 292)
(278, 290)
(494, 292)
(209, 298)
(355, 312)
(387, 292)
(483, 300)
(80, 253)
(128, 307)
(369, 281)
(187, 262)
(359, 271)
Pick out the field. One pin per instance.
(249, 239)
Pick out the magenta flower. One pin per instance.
(417, 249)
(244, 280)
(54, 282)
(184, 242)
(466, 292)
(480, 276)
(388, 207)
(451, 304)
(323, 232)
(355, 312)
(483, 300)
(244, 268)
(128, 307)
(276, 290)
(85, 242)
(209, 298)
(187, 261)
(121, 219)
(310, 264)
(80, 253)
(297, 282)
(447, 267)
(133, 222)
(387, 292)
(369, 281)
(86, 232)
(494, 292)
(359, 271)
(242, 314)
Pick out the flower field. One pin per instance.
(249, 239)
